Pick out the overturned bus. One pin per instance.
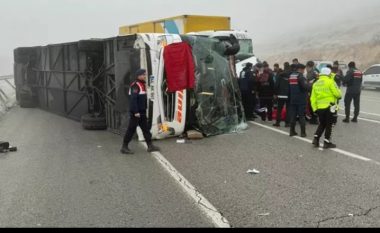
(89, 80)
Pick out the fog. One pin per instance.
(41, 22)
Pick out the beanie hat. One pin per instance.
(140, 72)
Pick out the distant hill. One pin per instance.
(347, 40)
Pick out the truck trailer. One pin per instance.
(179, 25)
(207, 26)
(88, 81)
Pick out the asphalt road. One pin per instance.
(64, 176)
(61, 177)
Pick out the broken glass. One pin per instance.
(215, 104)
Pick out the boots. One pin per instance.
(328, 144)
(126, 150)
(354, 120)
(303, 132)
(293, 131)
(152, 148)
(277, 124)
(347, 120)
(316, 142)
(303, 127)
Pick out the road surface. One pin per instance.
(64, 176)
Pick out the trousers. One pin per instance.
(326, 120)
(134, 122)
(347, 102)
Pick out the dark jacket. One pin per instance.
(138, 97)
(282, 85)
(312, 77)
(298, 89)
(265, 85)
(353, 80)
(246, 81)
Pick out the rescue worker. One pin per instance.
(281, 94)
(311, 76)
(353, 80)
(246, 84)
(138, 117)
(324, 101)
(265, 91)
(298, 91)
(295, 61)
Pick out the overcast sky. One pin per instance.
(40, 22)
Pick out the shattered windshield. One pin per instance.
(216, 100)
(246, 47)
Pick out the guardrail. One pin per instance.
(4, 98)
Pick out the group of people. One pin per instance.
(307, 94)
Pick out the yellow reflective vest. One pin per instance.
(325, 92)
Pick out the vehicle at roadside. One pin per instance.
(371, 77)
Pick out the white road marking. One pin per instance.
(363, 119)
(207, 208)
(343, 152)
(365, 113)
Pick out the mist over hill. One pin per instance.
(352, 39)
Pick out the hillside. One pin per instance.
(351, 40)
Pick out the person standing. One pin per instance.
(276, 72)
(265, 89)
(324, 100)
(337, 74)
(311, 76)
(353, 80)
(246, 84)
(298, 92)
(138, 117)
(281, 94)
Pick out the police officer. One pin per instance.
(324, 99)
(353, 80)
(138, 106)
(298, 92)
(246, 85)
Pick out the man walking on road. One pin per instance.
(298, 92)
(353, 80)
(324, 99)
(138, 106)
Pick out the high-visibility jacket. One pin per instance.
(325, 92)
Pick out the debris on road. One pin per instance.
(5, 147)
(265, 214)
(350, 215)
(253, 171)
(100, 146)
(193, 134)
(181, 141)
